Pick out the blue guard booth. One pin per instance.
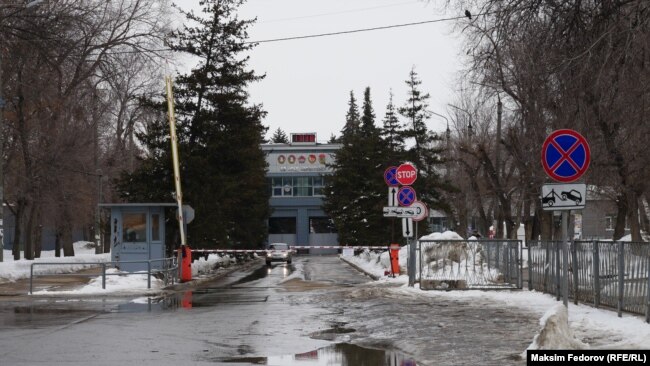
(137, 234)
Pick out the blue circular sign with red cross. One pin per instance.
(565, 155)
(390, 176)
(406, 196)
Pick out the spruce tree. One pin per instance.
(372, 188)
(356, 193)
(340, 193)
(427, 149)
(223, 168)
(279, 137)
(392, 134)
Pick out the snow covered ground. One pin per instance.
(116, 281)
(586, 327)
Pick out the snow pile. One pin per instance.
(447, 235)
(116, 282)
(555, 332)
(204, 266)
(11, 270)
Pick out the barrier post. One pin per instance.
(186, 263)
(394, 258)
(31, 278)
(103, 276)
(149, 274)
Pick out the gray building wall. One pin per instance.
(48, 237)
(594, 219)
(307, 160)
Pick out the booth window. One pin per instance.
(155, 227)
(134, 227)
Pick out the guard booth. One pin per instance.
(138, 234)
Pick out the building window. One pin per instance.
(282, 225)
(297, 186)
(134, 227)
(610, 223)
(302, 186)
(438, 224)
(319, 186)
(321, 225)
(155, 227)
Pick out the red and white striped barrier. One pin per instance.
(292, 248)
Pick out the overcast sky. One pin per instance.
(308, 81)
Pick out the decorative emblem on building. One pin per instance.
(291, 159)
(321, 158)
(281, 159)
(302, 159)
(312, 158)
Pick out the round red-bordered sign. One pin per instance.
(565, 155)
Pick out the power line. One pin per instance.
(356, 30)
(318, 35)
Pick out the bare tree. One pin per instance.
(59, 58)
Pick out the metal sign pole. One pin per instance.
(565, 258)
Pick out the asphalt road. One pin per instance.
(315, 311)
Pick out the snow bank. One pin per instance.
(11, 270)
(555, 332)
(116, 282)
(447, 235)
(204, 266)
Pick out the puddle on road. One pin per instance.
(206, 296)
(342, 354)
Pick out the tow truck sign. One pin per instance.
(563, 197)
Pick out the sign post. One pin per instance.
(403, 203)
(565, 158)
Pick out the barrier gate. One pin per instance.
(470, 264)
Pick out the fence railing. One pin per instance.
(470, 264)
(169, 270)
(612, 274)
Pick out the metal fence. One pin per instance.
(470, 264)
(168, 273)
(612, 274)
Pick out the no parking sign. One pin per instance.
(565, 155)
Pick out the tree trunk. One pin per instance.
(643, 212)
(621, 215)
(66, 233)
(57, 242)
(29, 231)
(18, 233)
(38, 241)
(633, 216)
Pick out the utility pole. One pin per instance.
(497, 162)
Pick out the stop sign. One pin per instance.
(406, 174)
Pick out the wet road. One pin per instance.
(267, 316)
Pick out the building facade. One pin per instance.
(297, 175)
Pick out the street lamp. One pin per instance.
(469, 124)
(448, 132)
